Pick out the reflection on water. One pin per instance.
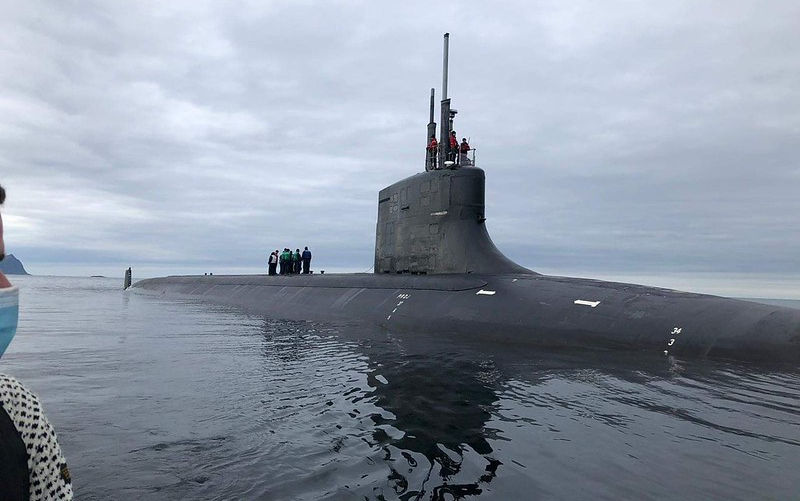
(435, 408)
(173, 399)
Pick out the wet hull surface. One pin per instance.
(516, 308)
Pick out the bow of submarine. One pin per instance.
(583, 313)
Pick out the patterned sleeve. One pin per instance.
(47, 468)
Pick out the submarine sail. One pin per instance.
(434, 222)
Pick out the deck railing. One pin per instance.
(457, 159)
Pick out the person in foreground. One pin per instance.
(32, 466)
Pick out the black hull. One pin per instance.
(526, 309)
(437, 271)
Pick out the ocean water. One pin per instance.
(157, 398)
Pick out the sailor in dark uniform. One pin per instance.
(306, 261)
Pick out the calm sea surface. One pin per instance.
(157, 398)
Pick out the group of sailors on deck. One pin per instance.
(291, 263)
(461, 149)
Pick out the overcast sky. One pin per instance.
(620, 139)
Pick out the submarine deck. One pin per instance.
(524, 308)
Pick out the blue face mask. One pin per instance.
(9, 316)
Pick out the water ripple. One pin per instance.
(158, 398)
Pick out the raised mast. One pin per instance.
(444, 118)
(430, 156)
(444, 65)
(433, 94)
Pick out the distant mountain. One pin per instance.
(12, 266)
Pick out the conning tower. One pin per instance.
(434, 221)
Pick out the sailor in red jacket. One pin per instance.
(451, 155)
(463, 150)
(433, 148)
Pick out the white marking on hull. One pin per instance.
(485, 293)
(441, 213)
(583, 302)
(402, 299)
(675, 332)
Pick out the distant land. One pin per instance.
(12, 266)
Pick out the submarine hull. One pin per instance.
(523, 308)
(437, 270)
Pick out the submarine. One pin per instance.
(437, 271)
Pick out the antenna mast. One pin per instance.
(430, 156)
(444, 118)
(444, 64)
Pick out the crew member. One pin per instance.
(464, 152)
(451, 154)
(273, 262)
(33, 466)
(283, 263)
(433, 151)
(306, 261)
(287, 268)
(291, 261)
(297, 261)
